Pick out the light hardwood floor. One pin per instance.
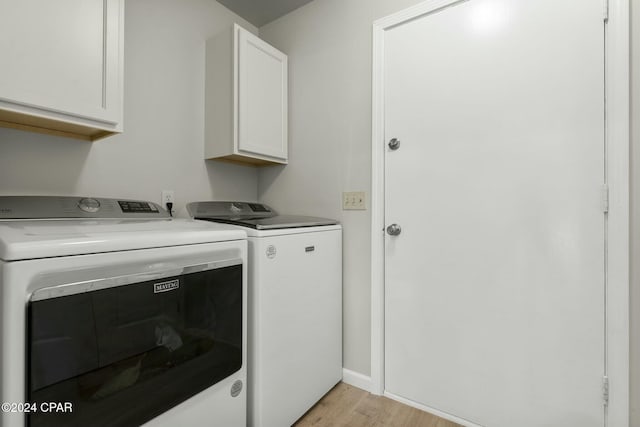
(348, 406)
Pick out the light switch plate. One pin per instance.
(353, 200)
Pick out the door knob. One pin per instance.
(394, 230)
(394, 144)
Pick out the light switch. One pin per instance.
(353, 200)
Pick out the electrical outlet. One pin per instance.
(353, 200)
(167, 197)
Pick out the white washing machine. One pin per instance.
(113, 314)
(295, 307)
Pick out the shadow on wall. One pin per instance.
(268, 175)
(34, 164)
(231, 181)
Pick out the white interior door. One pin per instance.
(494, 289)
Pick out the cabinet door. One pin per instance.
(262, 97)
(62, 57)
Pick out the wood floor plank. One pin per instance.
(348, 406)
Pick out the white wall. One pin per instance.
(162, 144)
(329, 46)
(635, 216)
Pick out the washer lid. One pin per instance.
(20, 240)
(253, 215)
(276, 222)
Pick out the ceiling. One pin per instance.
(261, 12)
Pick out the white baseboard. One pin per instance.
(356, 379)
(363, 382)
(433, 411)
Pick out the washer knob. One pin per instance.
(89, 205)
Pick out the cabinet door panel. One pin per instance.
(62, 56)
(262, 90)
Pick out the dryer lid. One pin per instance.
(21, 240)
(45, 227)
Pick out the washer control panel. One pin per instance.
(53, 207)
(215, 209)
(257, 207)
(137, 207)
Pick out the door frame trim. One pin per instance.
(378, 148)
(617, 85)
(617, 144)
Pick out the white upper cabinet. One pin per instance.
(246, 100)
(62, 66)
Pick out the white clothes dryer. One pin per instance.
(114, 314)
(295, 307)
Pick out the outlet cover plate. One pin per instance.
(167, 197)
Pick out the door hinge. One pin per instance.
(605, 198)
(605, 10)
(605, 390)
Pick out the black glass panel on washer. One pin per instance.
(124, 355)
(257, 207)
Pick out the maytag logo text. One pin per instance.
(166, 286)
